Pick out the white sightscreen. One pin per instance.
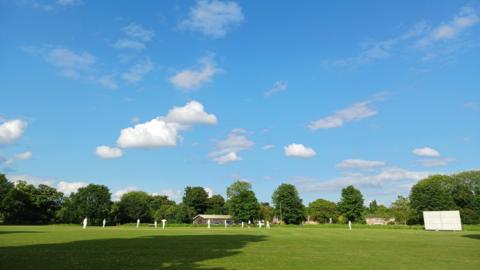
(442, 220)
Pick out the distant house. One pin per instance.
(214, 219)
(379, 221)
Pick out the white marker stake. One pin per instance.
(85, 223)
(104, 222)
(330, 220)
(268, 224)
(155, 224)
(242, 224)
(208, 222)
(163, 223)
(225, 223)
(259, 224)
(349, 225)
(138, 223)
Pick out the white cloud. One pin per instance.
(466, 18)
(376, 180)
(426, 152)
(11, 130)
(360, 164)
(137, 71)
(172, 194)
(268, 146)
(299, 150)
(105, 152)
(192, 113)
(190, 79)
(24, 155)
(33, 180)
(474, 106)
(213, 18)
(137, 32)
(117, 195)
(440, 162)
(357, 111)
(129, 44)
(278, 86)
(70, 63)
(108, 81)
(70, 187)
(227, 150)
(69, 2)
(164, 131)
(209, 191)
(135, 120)
(154, 133)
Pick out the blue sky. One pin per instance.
(158, 95)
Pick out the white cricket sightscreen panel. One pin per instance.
(442, 220)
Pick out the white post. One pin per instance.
(163, 223)
(330, 220)
(138, 223)
(268, 224)
(259, 224)
(242, 224)
(85, 223)
(225, 223)
(349, 225)
(104, 222)
(155, 224)
(208, 222)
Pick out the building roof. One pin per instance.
(214, 216)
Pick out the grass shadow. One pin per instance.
(10, 232)
(150, 252)
(472, 236)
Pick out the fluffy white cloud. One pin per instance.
(299, 150)
(117, 195)
(190, 79)
(105, 152)
(70, 187)
(24, 155)
(440, 162)
(70, 63)
(164, 131)
(209, 191)
(465, 19)
(360, 164)
(227, 150)
(108, 81)
(137, 71)
(357, 111)
(129, 44)
(192, 113)
(268, 146)
(154, 133)
(137, 32)
(376, 180)
(278, 86)
(213, 18)
(11, 130)
(172, 194)
(426, 152)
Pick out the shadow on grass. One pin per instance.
(472, 236)
(152, 252)
(9, 232)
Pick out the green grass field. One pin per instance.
(303, 247)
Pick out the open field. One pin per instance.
(315, 247)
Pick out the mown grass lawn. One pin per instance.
(303, 247)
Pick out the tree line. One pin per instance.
(23, 203)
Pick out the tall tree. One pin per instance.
(5, 187)
(351, 204)
(288, 204)
(197, 199)
(216, 205)
(432, 194)
(266, 211)
(93, 202)
(401, 210)
(322, 210)
(134, 205)
(242, 203)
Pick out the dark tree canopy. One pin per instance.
(351, 204)
(288, 204)
(322, 210)
(237, 187)
(242, 204)
(216, 205)
(134, 205)
(197, 199)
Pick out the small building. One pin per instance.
(214, 219)
(379, 221)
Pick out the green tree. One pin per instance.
(288, 204)
(266, 212)
(322, 210)
(93, 202)
(168, 212)
(242, 204)
(351, 204)
(432, 194)
(5, 187)
(197, 199)
(156, 202)
(18, 207)
(466, 195)
(401, 210)
(183, 213)
(134, 205)
(237, 187)
(216, 205)
(373, 207)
